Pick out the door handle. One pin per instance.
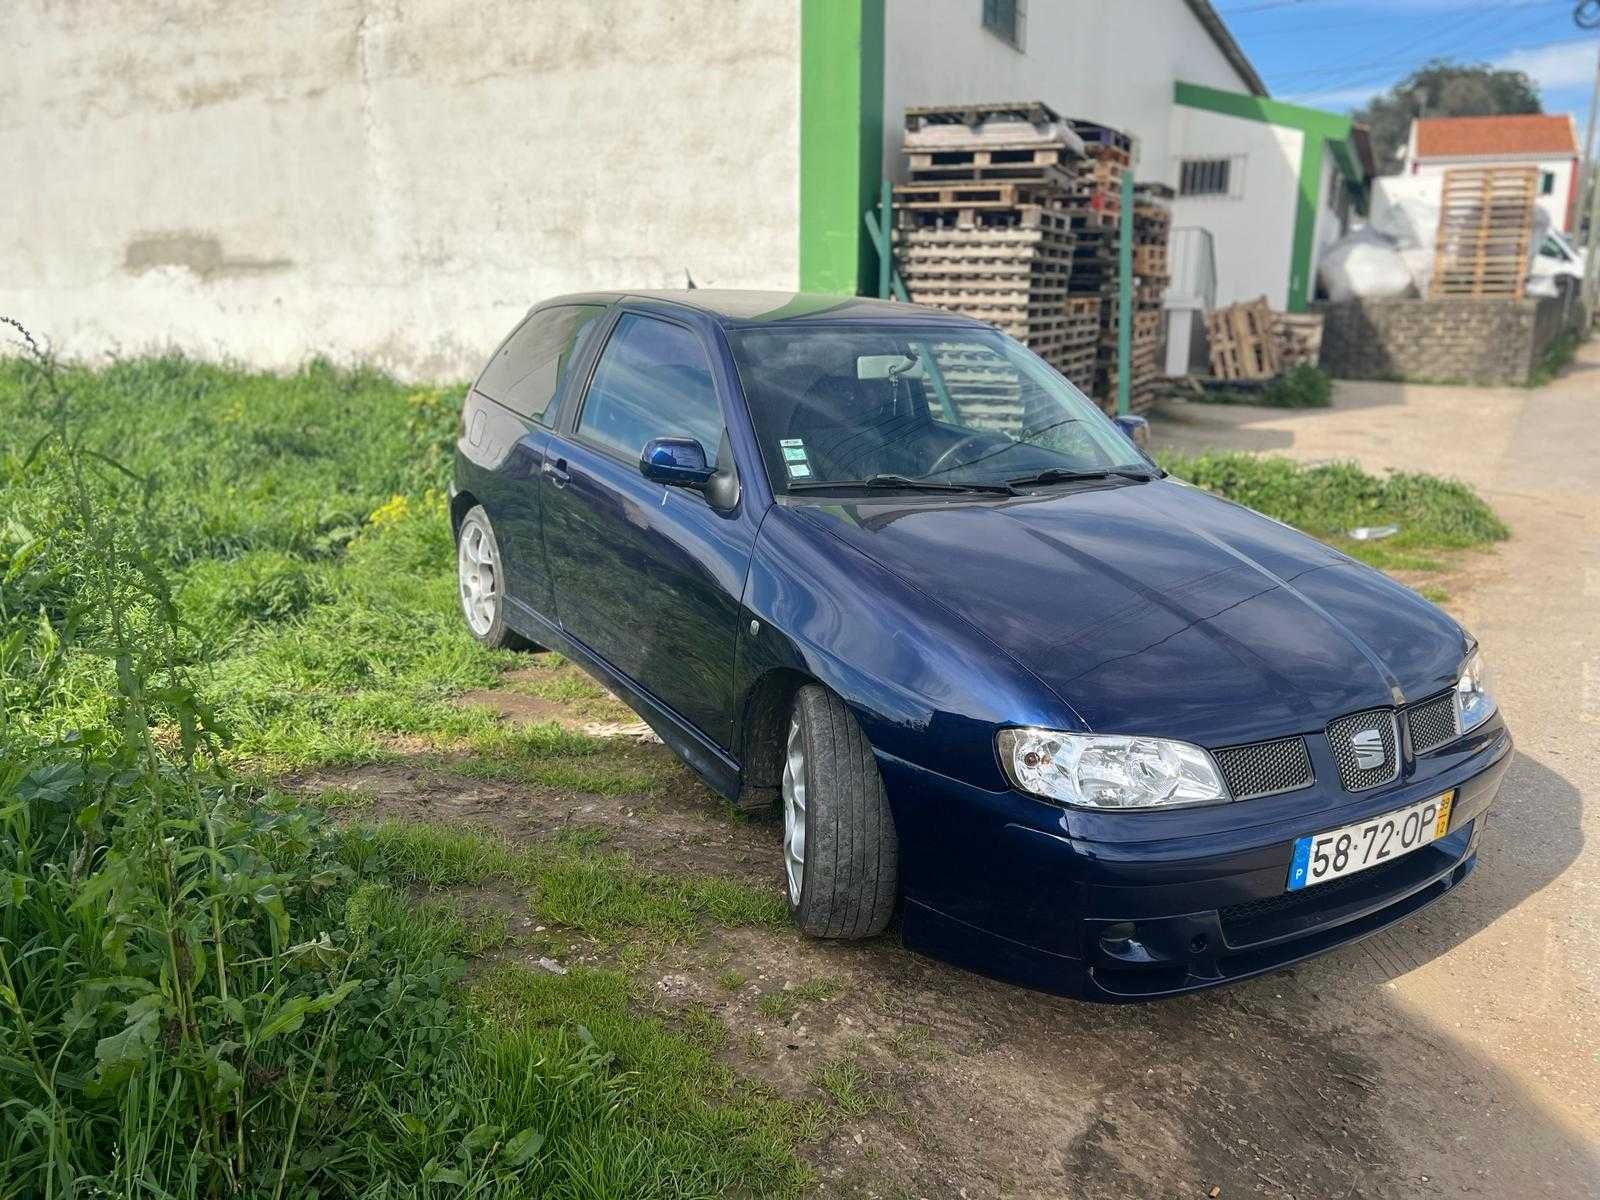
(557, 471)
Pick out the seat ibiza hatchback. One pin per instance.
(1084, 727)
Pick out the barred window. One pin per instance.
(1205, 177)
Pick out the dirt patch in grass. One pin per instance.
(685, 829)
(515, 707)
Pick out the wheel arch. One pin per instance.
(766, 706)
(461, 504)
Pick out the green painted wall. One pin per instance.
(1318, 130)
(841, 139)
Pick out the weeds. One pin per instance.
(1433, 514)
(206, 990)
(1305, 386)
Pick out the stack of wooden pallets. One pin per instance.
(1485, 233)
(983, 227)
(1109, 154)
(1297, 338)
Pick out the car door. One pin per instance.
(649, 577)
(524, 380)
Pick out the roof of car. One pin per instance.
(740, 307)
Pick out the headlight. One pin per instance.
(1474, 702)
(1109, 771)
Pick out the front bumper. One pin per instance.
(1134, 906)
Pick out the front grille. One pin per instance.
(1265, 768)
(1323, 895)
(1433, 722)
(1355, 777)
(1298, 912)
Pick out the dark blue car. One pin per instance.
(1084, 727)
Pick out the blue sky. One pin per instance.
(1334, 54)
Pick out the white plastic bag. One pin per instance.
(1364, 265)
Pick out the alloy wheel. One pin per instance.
(794, 810)
(478, 578)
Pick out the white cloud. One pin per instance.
(1557, 65)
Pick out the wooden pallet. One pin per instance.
(1485, 233)
(1096, 135)
(990, 154)
(1029, 112)
(1298, 337)
(1031, 215)
(1043, 174)
(1242, 345)
(1150, 259)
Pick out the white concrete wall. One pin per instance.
(1554, 205)
(389, 181)
(1111, 61)
(1253, 230)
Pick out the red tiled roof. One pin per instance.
(1463, 137)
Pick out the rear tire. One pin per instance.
(843, 868)
(480, 584)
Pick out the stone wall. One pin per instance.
(1454, 341)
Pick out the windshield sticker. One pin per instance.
(798, 471)
(794, 454)
(791, 442)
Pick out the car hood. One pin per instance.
(1155, 608)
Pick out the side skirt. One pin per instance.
(704, 757)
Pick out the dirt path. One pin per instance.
(1456, 1055)
(1501, 985)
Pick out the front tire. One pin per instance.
(841, 852)
(480, 584)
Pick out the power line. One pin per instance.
(1453, 40)
(1252, 36)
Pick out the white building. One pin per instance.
(1544, 142)
(394, 181)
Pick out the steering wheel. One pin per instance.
(950, 452)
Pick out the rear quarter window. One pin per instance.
(525, 374)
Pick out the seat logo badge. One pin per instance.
(1368, 745)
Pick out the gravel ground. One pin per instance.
(1493, 996)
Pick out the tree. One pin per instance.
(1442, 89)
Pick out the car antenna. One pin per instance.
(688, 279)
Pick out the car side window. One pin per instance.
(526, 373)
(653, 380)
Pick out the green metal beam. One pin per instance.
(841, 142)
(1317, 129)
(1125, 293)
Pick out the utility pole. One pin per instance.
(1587, 182)
(1591, 198)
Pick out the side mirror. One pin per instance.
(1137, 429)
(676, 462)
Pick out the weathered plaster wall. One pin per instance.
(386, 181)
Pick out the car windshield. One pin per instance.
(898, 406)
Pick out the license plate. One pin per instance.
(1319, 857)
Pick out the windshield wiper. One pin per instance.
(1067, 475)
(902, 483)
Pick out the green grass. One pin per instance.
(1557, 357)
(1434, 514)
(1305, 386)
(205, 988)
(604, 896)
